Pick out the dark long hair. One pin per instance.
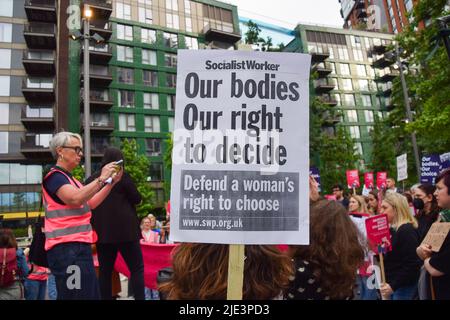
(334, 252)
(112, 154)
(429, 190)
(7, 239)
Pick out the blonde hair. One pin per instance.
(362, 208)
(401, 209)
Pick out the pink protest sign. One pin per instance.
(381, 180)
(368, 180)
(378, 233)
(353, 179)
(330, 197)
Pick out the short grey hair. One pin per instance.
(61, 139)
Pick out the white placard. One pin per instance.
(402, 167)
(241, 148)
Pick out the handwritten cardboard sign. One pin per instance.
(436, 235)
(378, 233)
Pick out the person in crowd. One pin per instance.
(357, 204)
(413, 189)
(338, 192)
(165, 233)
(437, 264)
(14, 272)
(148, 235)
(326, 269)
(390, 185)
(372, 203)
(116, 222)
(427, 209)
(410, 200)
(402, 265)
(155, 225)
(200, 272)
(36, 283)
(68, 205)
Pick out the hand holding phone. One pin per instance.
(118, 165)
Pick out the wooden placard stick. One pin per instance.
(235, 271)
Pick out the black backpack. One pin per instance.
(37, 254)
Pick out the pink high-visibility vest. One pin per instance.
(38, 273)
(65, 223)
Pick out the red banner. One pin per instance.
(353, 179)
(330, 197)
(381, 180)
(378, 233)
(156, 257)
(368, 180)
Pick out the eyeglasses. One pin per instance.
(77, 149)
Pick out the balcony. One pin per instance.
(330, 119)
(98, 54)
(220, 36)
(38, 119)
(40, 35)
(389, 105)
(102, 9)
(98, 146)
(98, 100)
(39, 63)
(36, 147)
(389, 75)
(385, 91)
(100, 123)
(100, 27)
(383, 62)
(361, 13)
(317, 57)
(323, 86)
(322, 69)
(41, 10)
(39, 90)
(378, 48)
(98, 77)
(328, 101)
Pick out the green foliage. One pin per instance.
(429, 88)
(252, 34)
(383, 143)
(167, 159)
(78, 173)
(138, 166)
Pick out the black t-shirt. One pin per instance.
(441, 261)
(55, 181)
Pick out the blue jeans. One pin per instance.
(51, 287)
(151, 294)
(364, 292)
(73, 267)
(35, 289)
(405, 293)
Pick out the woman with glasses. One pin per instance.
(68, 204)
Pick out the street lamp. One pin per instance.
(86, 37)
(396, 56)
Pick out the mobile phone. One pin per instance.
(119, 163)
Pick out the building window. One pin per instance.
(4, 142)
(354, 132)
(359, 148)
(187, 6)
(170, 40)
(188, 24)
(366, 100)
(145, 2)
(352, 116)
(150, 78)
(123, 11)
(191, 43)
(125, 75)
(349, 100)
(4, 113)
(149, 57)
(4, 86)
(172, 21)
(151, 124)
(368, 114)
(363, 85)
(171, 102)
(124, 32)
(6, 9)
(345, 69)
(361, 69)
(343, 53)
(347, 84)
(332, 66)
(5, 32)
(126, 99)
(5, 61)
(127, 122)
(148, 36)
(369, 129)
(170, 60)
(172, 5)
(171, 80)
(151, 101)
(153, 147)
(171, 123)
(124, 54)
(156, 172)
(337, 97)
(358, 55)
(145, 15)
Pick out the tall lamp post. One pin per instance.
(86, 37)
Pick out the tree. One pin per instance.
(252, 34)
(167, 159)
(78, 173)
(138, 166)
(383, 150)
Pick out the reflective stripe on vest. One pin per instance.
(64, 223)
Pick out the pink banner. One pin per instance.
(156, 257)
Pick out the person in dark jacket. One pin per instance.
(428, 210)
(402, 266)
(117, 227)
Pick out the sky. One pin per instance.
(288, 13)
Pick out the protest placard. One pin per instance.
(352, 179)
(381, 180)
(378, 233)
(436, 235)
(241, 148)
(402, 167)
(369, 180)
(429, 168)
(314, 172)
